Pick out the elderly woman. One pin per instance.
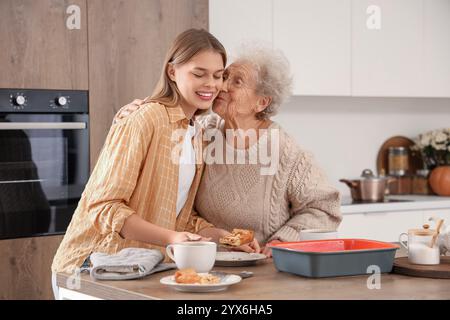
(277, 205)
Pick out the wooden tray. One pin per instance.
(440, 271)
(415, 161)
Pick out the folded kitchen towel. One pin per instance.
(129, 263)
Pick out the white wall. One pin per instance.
(345, 133)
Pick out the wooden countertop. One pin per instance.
(269, 284)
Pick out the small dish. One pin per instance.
(237, 259)
(224, 283)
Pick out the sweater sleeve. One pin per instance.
(197, 223)
(313, 202)
(115, 176)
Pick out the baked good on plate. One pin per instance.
(189, 276)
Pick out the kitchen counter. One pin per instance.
(269, 284)
(397, 203)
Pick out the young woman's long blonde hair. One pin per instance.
(185, 46)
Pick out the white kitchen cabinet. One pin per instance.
(382, 226)
(66, 294)
(387, 44)
(438, 213)
(436, 46)
(315, 35)
(377, 48)
(235, 22)
(387, 226)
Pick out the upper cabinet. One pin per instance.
(436, 48)
(315, 37)
(47, 44)
(235, 22)
(385, 48)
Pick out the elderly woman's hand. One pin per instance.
(252, 247)
(128, 109)
(267, 251)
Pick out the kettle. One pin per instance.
(368, 188)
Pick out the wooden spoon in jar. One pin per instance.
(438, 227)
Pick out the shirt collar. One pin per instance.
(175, 114)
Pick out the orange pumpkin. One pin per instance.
(440, 180)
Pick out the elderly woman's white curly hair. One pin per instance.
(273, 76)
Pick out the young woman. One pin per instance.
(137, 196)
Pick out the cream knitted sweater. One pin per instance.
(297, 196)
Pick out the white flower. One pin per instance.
(438, 146)
(440, 137)
(425, 140)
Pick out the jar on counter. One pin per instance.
(398, 161)
(401, 185)
(420, 184)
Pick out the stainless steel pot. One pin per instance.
(369, 187)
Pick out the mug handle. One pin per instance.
(403, 243)
(169, 251)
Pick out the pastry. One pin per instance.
(189, 276)
(238, 237)
(209, 279)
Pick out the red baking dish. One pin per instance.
(334, 257)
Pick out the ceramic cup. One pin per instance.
(199, 255)
(419, 250)
(318, 234)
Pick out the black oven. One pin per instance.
(44, 159)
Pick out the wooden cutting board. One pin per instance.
(414, 159)
(440, 271)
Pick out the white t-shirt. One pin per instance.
(186, 168)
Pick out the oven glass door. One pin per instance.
(44, 167)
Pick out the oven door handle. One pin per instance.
(21, 181)
(41, 125)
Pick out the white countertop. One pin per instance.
(418, 203)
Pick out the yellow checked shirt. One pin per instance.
(134, 174)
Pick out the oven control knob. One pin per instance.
(19, 100)
(61, 101)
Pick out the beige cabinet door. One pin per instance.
(42, 46)
(387, 48)
(315, 35)
(127, 44)
(26, 267)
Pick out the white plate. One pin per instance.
(237, 259)
(224, 283)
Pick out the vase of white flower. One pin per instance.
(434, 147)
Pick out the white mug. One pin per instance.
(318, 234)
(199, 255)
(419, 250)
